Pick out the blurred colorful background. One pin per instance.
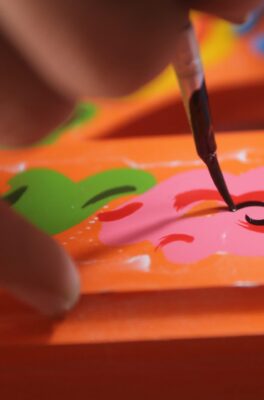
(233, 59)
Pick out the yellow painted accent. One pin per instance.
(218, 45)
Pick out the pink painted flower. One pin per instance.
(164, 217)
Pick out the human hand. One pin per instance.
(53, 52)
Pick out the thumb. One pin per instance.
(34, 268)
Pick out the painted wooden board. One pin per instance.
(121, 188)
(143, 213)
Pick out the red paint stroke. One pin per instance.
(175, 237)
(185, 199)
(120, 213)
(258, 196)
(252, 228)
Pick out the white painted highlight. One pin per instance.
(16, 168)
(224, 236)
(162, 164)
(246, 284)
(21, 167)
(221, 253)
(141, 262)
(241, 155)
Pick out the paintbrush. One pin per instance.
(189, 71)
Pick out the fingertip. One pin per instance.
(34, 267)
(53, 299)
(68, 291)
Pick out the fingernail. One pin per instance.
(52, 298)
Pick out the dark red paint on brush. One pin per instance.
(204, 138)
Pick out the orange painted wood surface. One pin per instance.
(160, 335)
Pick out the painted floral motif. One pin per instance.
(185, 218)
